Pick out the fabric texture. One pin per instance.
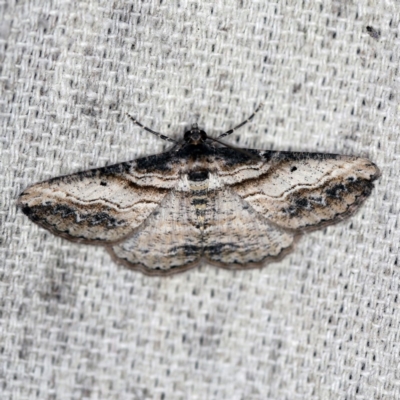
(321, 324)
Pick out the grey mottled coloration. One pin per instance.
(236, 208)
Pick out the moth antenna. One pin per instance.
(160, 135)
(242, 123)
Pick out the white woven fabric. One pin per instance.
(321, 324)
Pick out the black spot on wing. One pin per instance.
(30, 212)
(302, 202)
(335, 190)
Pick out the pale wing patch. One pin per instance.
(92, 206)
(180, 233)
(305, 192)
(235, 235)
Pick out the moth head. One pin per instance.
(195, 135)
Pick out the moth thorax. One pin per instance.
(198, 176)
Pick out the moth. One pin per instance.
(201, 200)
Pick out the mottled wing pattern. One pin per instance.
(179, 234)
(307, 190)
(98, 206)
(233, 207)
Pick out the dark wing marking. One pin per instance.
(306, 190)
(101, 205)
